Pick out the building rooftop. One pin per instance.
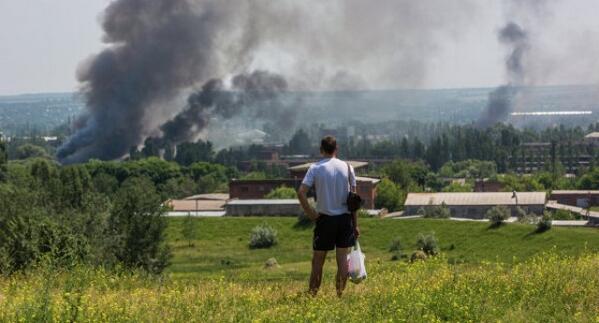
(264, 202)
(367, 179)
(195, 205)
(212, 196)
(592, 135)
(304, 167)
(574, 192)
(477, 198)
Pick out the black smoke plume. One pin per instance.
(158, 47)
(501, 100)
(257, 95)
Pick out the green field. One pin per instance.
(221, 247)
(481, 275)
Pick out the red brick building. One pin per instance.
(258, 189)
(488, 185)
(576, 198)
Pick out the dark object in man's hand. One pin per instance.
(354, 202)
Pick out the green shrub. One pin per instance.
(526, 218)
(282, 193)
(435, 211)
(497, 215)
(263, 236)
(563, 215)
(395, 245)
(395, 249)
(545, 223)
(418, 255)
(427, 243)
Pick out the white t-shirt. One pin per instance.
(330, 178)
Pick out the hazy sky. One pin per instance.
(43, 41)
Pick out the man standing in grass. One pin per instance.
(335, 226)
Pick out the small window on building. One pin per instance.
(245, 189)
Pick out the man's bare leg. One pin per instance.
(341, 270)
(318, 258)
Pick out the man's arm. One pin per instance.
(302, 195)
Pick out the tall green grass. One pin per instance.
(546, 288)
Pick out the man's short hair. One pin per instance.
(328, 144)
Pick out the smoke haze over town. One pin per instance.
(171, 70)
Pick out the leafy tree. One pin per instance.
(406, 173)
(31, 151)
(457, 187)
(188, 230)
(220, 172)
(75, 181)
(3, 159)
(158, 170)
(590, 180)
(255, 176)
(189, 153)
(105, 184)
(176, 188)
(138, 226)
(282, 192)
(470, 168)
(389, 195)
(300, 143)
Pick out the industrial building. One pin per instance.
(258, 189)
(533, 156)
(579, 198)
(476, 205)
(251, 189)
(263, 207)
(198, 205)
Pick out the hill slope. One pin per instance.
(221, 247)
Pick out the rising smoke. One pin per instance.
(160, 49)
(255, 95)
(501, 99)
(523, 18)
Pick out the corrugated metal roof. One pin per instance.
(483, 198)
(574, 192)
(304, 167)
(210, 196)
(196, 205)
(264, 202)
(367, 179)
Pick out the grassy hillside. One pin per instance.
(221, 247)
(544, 289)
(508, 274)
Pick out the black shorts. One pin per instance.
(333, 231)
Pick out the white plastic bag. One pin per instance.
(356, 267)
